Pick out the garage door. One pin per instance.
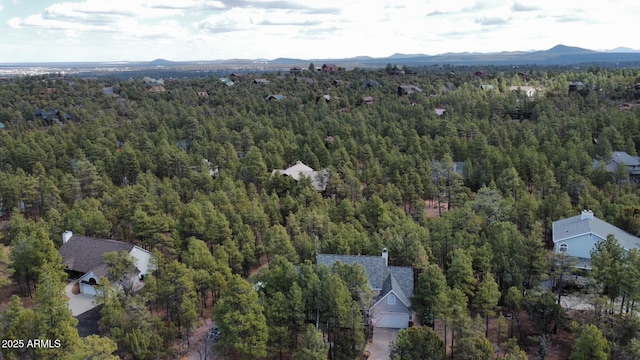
(392, 320)
(87, 289)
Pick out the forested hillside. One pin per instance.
(466, 198)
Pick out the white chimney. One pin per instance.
(586, 215)
(66, 236)
(385, 256)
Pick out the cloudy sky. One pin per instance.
(138, 30)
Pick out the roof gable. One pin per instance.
(386, 295)
(400, 281)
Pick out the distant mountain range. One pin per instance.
(557, 55)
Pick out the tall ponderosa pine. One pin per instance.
(55, 319)
(607, 262)
(487, 299)
(30, 251)
(242, 324)
(425, 299)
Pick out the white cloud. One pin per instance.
(213, 29)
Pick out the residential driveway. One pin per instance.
(380, 348)
(575, 302)
(88, 322)
(78, 303)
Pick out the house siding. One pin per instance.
(580, 246)
(85, 288)
(143, 263)
(143, 259)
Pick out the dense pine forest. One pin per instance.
(465, 194)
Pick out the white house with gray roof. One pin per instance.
(83, 258)
(392, 287)
(578, 235)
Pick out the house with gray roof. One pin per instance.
(392, 287)
(408, 90)
(578, 235)
(575, 86)
(226, 81)
(319, 179)
(620, 157)
(83, 259)
(277, 97)
(529, 91)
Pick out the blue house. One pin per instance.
(578, 235)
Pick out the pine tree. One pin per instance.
(460, 272)
(54, 316)
(487, 299)
(431, 283)
(591, 344)
(418, 343)
(312, 345)
(239, 316)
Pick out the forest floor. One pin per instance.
(431, 208)
(200, 347)
(561, 343)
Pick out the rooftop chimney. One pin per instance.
(66, 236)
(586, 215)
(385, 256)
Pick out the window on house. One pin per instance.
(564, 248)
(391, 300)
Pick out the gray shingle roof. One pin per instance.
(573, 226)
(618, 157)
(400, 280)
(83, 254)
(386, 278)
(624, 158)
(373, 265)
(318, 178)
(278, 97)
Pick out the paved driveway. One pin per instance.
(78, 303)
(88, 322)
(380, 348)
